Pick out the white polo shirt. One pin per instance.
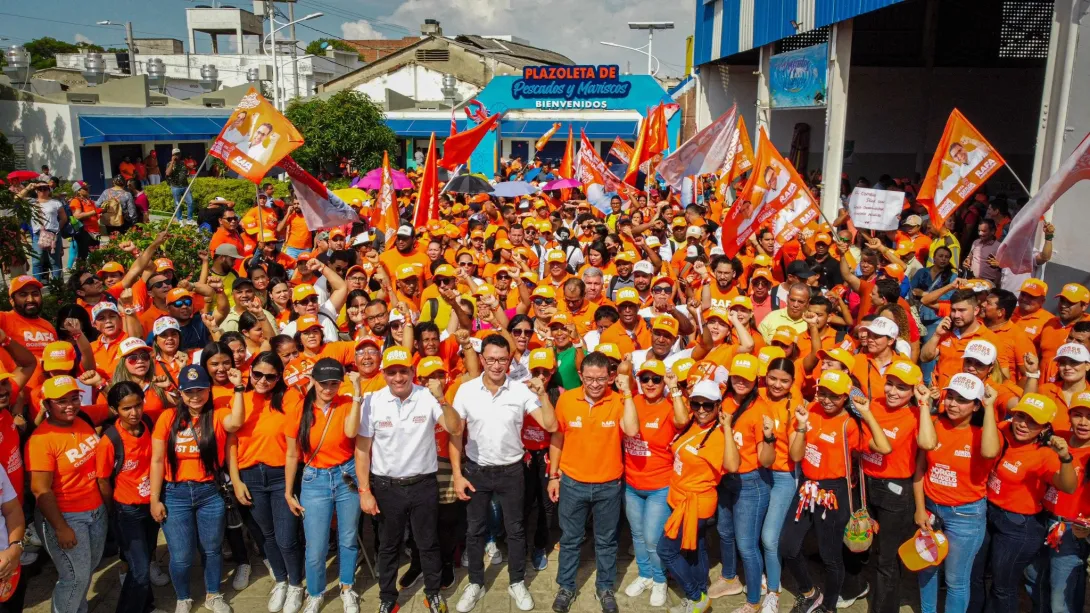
(402, 433)
(495, 421)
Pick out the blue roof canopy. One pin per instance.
(604, 130)
(96, 129)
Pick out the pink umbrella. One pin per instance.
(373, 180)
(562, 184)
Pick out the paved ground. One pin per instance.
(105, 588)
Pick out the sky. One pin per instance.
(571, 27)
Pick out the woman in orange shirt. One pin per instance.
(167, 338)
(279, 302)
(724, 335)
(218, 360)
(320, 432)
(823, 441)
(1032, 460)
(949, 485)
(186, 458)
(256, 456)
(647, 462)
(1072, 365)
(703, 451)
(60, 456)
(137, 366)
(743, 496)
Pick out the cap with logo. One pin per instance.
(163, 265)
(665, 323)
(405, 271)
(544, 291)
(22, 282)
(883, 326)
(836, 381)
(716, 312)
(303, 291)
(1034, 287)
(59, 387)
(405, 230)
(765, 357)
(103, 307)
(555, 255)
(981, 351)
(327, 369)
(445, 270)
(59, 355)
(131, 345)
(905, 371)
(1074, 352)
(1080, 401)
(111, 268)
(396, 356)
(823, 238)
(786, 335)
(644, 267)
(306, 322)
(679, 222)
(707, 389)
(177, 294)
(193, 377)
(652, 241)
(762, 273)
(1075, 293)
(745, 366)
(609, 350)
(694, 232)
(967, 386)
(1038, 407)
(838, 354)
(561, 319)
(925, 549)
(429, 366)
(627, 295)
(654, 367)
(542, 358)
(374, 341)
(741, 302)
(626, 256)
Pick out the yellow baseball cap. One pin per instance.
(301, 292)
(542, 358)
(718, 313)
(741, 301)
(609, 350)
(627, 294)
(406, 271)
(484, 289)
(1038, 407)
(430, 365)
(836, 381)
(1075, 293)
(838, 354)
(654, 367)
(626, 256)
(786, 335)
(745, 366)
(397, 356)
(445, 270)
(682, 367)
(679, 222)
(544, 291)
(905, 371)
(58, 387)
(665, 323)
(59, 355)
(766, 355)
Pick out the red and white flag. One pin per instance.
(321, 208)
(1016, 250)
(706, 152)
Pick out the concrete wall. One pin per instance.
(896, 115)
(416, 81)
(49, 132)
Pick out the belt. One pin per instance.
(402, 481)
(494, 468)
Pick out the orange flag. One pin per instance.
(567, 163)
(427, 201)
(255, 138)
(742, 160)
(458, 148)
(384, 214)
(963, 161)
(658, 139)
(773, 186)
(544, 140)
(652, 140)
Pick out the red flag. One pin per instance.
(321, 208)
(427, 201)
(962, 162)
(620, 150)
(458, 148)
(652, 140)
(567, 163)
(384, 214)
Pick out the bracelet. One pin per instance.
(770, 439)
(240, 389)
(1070, 459)
(554, 477)
(1049, 237)
(1033, 375)
(801, 430)
(676, 394)
(18, 544)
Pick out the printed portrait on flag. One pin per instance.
(255, 138)
(962, 158)
(963, 161)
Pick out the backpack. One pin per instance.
(119, 447)
(112, 213)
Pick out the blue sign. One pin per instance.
(798, 77)
(570, 87)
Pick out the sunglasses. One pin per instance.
(544, 301)
(90, 281)
(655, 379)
(397, 325)
(157, 284)
(503, 277)
(444, 280)
(184, 302)
(263, 376)
(140, 356)
(308, 300)
(702, 405)
(230, 219)
(660, 290)
(522, 332)
(465, 264)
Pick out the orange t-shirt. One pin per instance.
(1013, 347)
(592, 436)
(1072, 505)
(392, 259)
(722, 355)
(11, 454)
(1022, 475)
(825, 453)
(223, 237)
(140, 297)
(748, 431)
(647, 458)
(828, 341)
(583, 318)
(298, 232)
(950, 349)
(297, 372)
(107, 352)
(68, 453)
(722, 298)
(627, 342)
(697, 469)
(900, 427)
(133, 484)
(1033, 323)
(261, 437)
(1062, 421)
(956, 472)
(337, 448)
(34, 333)
(186, 447)
(783, 419)
(86, 205)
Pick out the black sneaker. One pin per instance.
(608, 601)
(388, 606)
(563, 600)
(410, 578)
(446, 579)
(807, 604)
(437, 604)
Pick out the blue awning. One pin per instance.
(423, 128)
(598, 130)
(95, 129)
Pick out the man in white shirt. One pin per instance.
(395, 453)
(493, 408)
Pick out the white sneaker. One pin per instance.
(294, 601)
(184, 606)
(277, 596)
(495, 556)
(313, 604)
(523, 600)
(465, 559)
(470, 596)
(658, 594)
(216, 604)
(157, 576)
(638, 586)
(844, 603)
(242, 577)
(350, 601)
(31, 536)
(771, 603)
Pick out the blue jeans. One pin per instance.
(1011, 542)
(177, 192)
(294, 252)
(779, 500)
(277, 524)
(195, 518)
(743, 504)
(1056, 581)
(324, 491)
(964, 529)
(136, 535)
(690, 568)
(647, 512)
(47, 263)
(75, 565)
(577, 499)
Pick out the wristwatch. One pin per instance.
(240, 389)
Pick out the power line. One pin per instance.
(347, 14)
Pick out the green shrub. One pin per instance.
(241, 191)
(182, 247)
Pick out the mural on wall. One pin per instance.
(797, 78)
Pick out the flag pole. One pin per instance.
(178, 205)
(1024, 188)
(457, 170)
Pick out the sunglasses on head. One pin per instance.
(655, 379)
(184, 302)
(263, 376)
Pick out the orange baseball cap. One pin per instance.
(60, 355)
(369, 340)
(23, 281)
(163, 265)
(429, 366)
(665, 323)
(662, 279)
(654, 367)
(58, 387)
(762, 273)
(1034, 287)
(838, 354)
(836, 381)
(895, 270)
(609, 350)
(111, 267)
(177, 294)
(823, 237)
(542, 358)
(1075, 293)
(905, 371)
(786, 335)
(303, 291)
(560, 319)
(306, 322)
(924, 549)
(745, 366)
(396, 356)
(476, 234)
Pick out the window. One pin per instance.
(803, 40)
(1025, 29)
(433, 55)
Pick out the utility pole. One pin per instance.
(132, 48)
(271, 10)
(294, 49)
(650, 26)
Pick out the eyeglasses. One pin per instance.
(139, 356)
(308, 300)
(596, 380)
(655, 379)
(495, 361)
(660, 290)
(703, 405)
(184, 302)
(263, 376)
(522, 332)
(544, 301)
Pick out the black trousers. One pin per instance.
(417, 505)
(535, 473)
(451, 525)
(828, 526)
(508, 486)
(891, 504)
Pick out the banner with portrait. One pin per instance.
(962, 162)
(255, 138)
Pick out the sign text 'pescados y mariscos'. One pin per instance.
(570, 87)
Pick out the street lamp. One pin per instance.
(658, 64)
(650, 26)
(272, 35)
(128, 39)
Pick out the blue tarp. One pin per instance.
(95, 129)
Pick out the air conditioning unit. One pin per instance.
(264, 72)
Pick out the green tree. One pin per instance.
(7, 155)
(347, 125)
(315, 47)
(44, 50)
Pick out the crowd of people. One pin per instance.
(525, 364)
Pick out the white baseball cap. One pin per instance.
(706, 389)
(405, 230)
(363, 238)
(967, 386)
(883, 326)
(652, 241)
(717, 250)
(983, 352)
(1073, 351)
(165, 323)
(645, 267)
(694, 231)
(691, 251)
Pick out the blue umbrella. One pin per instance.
(530, 174)
(513, 189)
